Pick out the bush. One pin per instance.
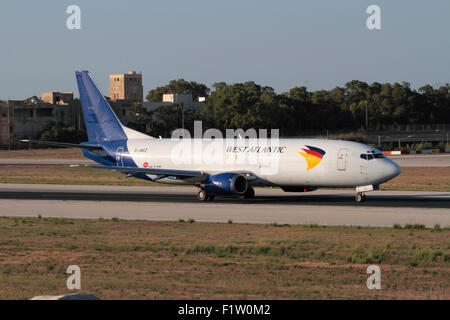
(415, 226)
(437, 227)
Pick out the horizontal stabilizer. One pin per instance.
(64, 144)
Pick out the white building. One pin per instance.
(184, 100)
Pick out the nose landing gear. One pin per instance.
(360, 197)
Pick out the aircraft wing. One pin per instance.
(64, 144)
(163, 173)
(159, 172)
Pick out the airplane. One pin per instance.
(303, 165)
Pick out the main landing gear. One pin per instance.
(203, 196)
(249, 194)
(360, 197)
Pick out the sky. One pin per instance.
(282, 44)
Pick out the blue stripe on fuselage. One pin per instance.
(109, 156)
(115, 154)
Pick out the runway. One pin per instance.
(422, 160)
(325, 207)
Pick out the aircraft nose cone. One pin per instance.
(392, 170)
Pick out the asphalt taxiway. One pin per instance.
(271, 205)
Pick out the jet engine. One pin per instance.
(227, 183)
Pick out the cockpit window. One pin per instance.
(371, 155)
(378, 155)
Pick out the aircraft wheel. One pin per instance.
(250, 194)
(360, 197)
(202, 195)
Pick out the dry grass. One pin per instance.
(421, 178)
(61, 153)
(170, 260)
(430, 179)
(50, 174)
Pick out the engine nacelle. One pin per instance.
(225, 184)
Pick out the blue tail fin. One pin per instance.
(102, 124)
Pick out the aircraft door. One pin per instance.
(342, 159)
(119, 156)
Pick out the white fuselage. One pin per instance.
(341, 165)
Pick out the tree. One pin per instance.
(180, 86)
(299, 111)
(241, 105)
(138, 118)
(62, 133)
(219, 85)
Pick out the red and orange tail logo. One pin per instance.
(313, 156)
